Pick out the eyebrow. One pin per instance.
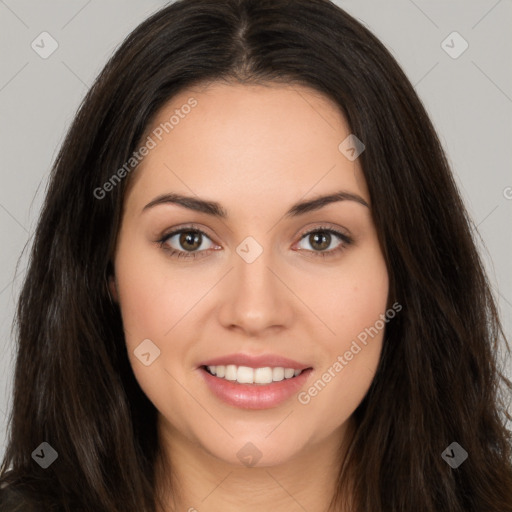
(216, 210)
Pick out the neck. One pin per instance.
(193, 480)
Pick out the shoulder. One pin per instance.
(12, 500)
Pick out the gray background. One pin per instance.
(469, 99)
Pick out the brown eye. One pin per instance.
(321, 239)
(186, 244)
(190, 240)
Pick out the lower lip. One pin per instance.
(254, 396)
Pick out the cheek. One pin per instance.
(354, 304)
(352, 297)
(147, 314)
(140, 308)
(151, 297)
(362, 301)
(154, 304)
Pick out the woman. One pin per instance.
(253, 285)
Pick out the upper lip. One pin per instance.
(261, 361)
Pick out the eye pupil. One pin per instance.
(192, 238)
(320, 237)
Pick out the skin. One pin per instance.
(257, 150)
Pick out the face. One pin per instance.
(250, 285)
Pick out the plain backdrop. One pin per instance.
(468, 95)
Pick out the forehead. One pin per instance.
(249, 144)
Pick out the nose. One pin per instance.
(257, 296)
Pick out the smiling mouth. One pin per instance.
(257, 376)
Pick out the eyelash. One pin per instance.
(174, 253)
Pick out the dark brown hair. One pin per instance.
(438, 380)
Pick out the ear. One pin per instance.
(113, 288)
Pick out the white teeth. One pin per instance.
(289, 373)
(277, 374)
(247, 375)
(262, 375)
(230, 372)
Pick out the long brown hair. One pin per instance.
(438, 380)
